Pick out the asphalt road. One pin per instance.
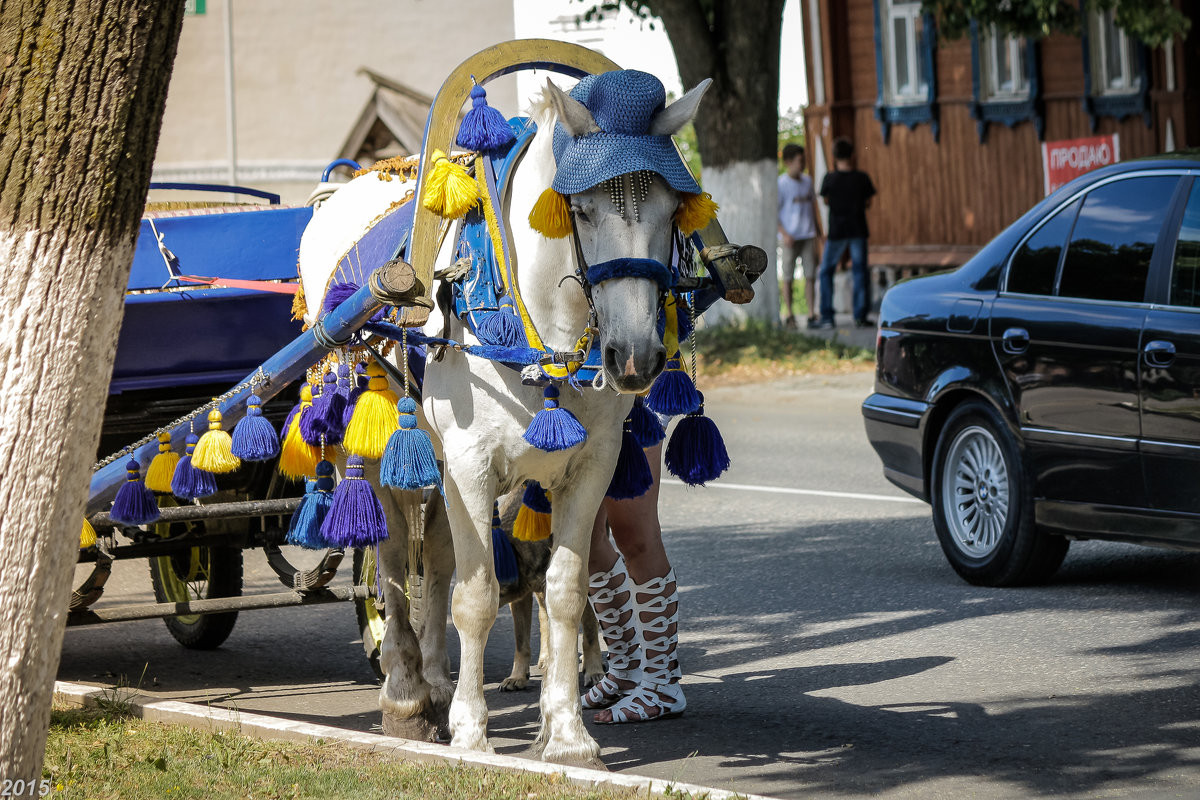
(829, 650)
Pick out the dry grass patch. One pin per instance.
(758, 352)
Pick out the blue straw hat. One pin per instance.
(623, 103)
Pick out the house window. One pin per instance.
(904, 43)
(904, 65)
(1004, 67)
(1115, 67)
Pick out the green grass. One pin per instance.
(758, 351)
(106, 754)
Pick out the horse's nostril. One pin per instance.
(660, 360)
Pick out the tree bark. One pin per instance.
(737, 44)
(82, 89)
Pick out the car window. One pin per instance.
(1036, 262)
(1185, 274)
(1109, 254)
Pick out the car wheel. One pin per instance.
(982, 500)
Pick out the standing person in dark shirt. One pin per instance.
(848, 192)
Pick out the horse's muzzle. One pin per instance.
(632, 369)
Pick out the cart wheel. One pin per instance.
(369, 611)
(197, 573)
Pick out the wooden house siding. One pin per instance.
(955, 191)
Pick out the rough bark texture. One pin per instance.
(83, 84)
(736, 43)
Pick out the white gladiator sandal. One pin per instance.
(611, 595)
(658, 694)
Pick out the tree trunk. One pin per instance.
(82, 91)
(736, 43)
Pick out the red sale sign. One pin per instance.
(1069, 158)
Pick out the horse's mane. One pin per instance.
(542, 111)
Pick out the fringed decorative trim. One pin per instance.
(695, 212)
(551, 215)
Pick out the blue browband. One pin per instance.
(631, 268)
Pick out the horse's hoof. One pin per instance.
(590, 679)
(419, 728)
(587, 763)
(514, 684)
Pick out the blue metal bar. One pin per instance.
(281, 369)
(270, 197)
(340, 162)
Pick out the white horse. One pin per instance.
(478, 410)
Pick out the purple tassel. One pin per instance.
(503, 556)
(189, 483)
(696, 453)
(329, 409)
(310, 428)
(535, 498)
(632, 477)
(134, 503)
(645, 425)
(355, 517)
(501, 328)
(254, 437)
(483, 128)
(554, 428)
(360, 386)
(673, 392)
(305, 528)
(339, 292)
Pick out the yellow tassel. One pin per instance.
(695, 212)
(374, 419)
(214, 451)
(551, 215)
(87, 538)
(299, 305)
(449, 191)
(162, 468)
(298, 458)
(530, 525)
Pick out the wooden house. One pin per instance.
(952, 132)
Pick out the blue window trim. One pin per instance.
(1119, 106)
(1008, 112)
(910, 114)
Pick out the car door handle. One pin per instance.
(1159, 353)
(1015, 341)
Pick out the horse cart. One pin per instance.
(209, 337)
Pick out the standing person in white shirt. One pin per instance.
(799, 230)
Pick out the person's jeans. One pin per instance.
(834, 248)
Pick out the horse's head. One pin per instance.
(623, 178)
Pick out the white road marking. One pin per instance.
(744, 487)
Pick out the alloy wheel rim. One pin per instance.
(975, 496)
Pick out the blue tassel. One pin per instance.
(305, 528)
(696, 453)
(501, 328)
(328, 410)
(360, 385)
(645, 425)
(409, 461)
(355, 517)
(673, 392)
(134, 503)
(503, 555)
(189, 483)
(632, 477)
(254, 437)
(483, 128)
(683, 321)
(535, 498)
(554, 428)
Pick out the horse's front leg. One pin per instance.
(438, 555)
(405, 696)
(574, 509)
(470, 492)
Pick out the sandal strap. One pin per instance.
(667, 698)
(660, 665)
(611, 604)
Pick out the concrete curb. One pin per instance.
(264, 727)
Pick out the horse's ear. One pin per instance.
(668, 121)
(572, 114)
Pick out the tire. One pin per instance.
(370, 615)
(198, 573)
(982, 497)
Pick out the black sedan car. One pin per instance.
(1049, 389)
